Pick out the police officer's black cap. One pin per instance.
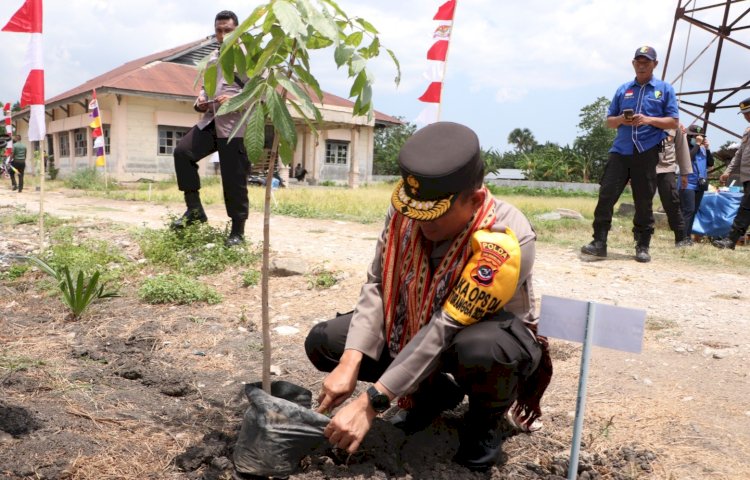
(694, 130)
(437, 162)
(745, 105)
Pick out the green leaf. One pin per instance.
(298, 92)
(366, 25)
(398, 65)
(239, 59)
(288, 18)
(246, 24)
(342, 54)
(281, 119)
(316, 42)
(336, 7)
(248, 93)
(303, 114)
(354, 39)
(255, 134)
(308, 79)
(227, 67)
(286, 152)
(356, 65)
(209, 80)
(202, 65)
(358, 84)
(374, 49)
(323, 24)
(270, 50)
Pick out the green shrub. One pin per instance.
(88, 179)
(176, 288)
(321, 278)
(196, 250)
(250, 278)
(87, 256)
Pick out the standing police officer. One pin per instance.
(641, 111)
(739, 164)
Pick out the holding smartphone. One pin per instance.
(628, 113)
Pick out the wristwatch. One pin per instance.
(379, 401)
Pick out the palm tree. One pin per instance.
(522, 139)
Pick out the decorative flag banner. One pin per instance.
(96, 131)
(28, 19)
(437, 56)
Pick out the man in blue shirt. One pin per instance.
(641, 111)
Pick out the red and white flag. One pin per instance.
(28, 19)
(437, 56)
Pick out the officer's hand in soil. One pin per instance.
(340, 383)
(348, 428)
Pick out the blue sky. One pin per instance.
(530, 64)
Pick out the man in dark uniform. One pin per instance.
(447, 309)
(740, 164)
(18, 164)
(209, 135)
(641, 111)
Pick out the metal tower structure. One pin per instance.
(704, 85)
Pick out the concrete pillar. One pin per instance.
(354, 158)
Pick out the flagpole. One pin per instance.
(41, 198)
(445, 63)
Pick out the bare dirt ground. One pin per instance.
(153, 391)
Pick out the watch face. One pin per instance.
(379, 401)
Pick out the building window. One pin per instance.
(105, 129)
(79, 139)
(168, 138)
(64, 144)
(337, 152)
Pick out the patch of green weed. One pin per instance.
(250, 278)
(320, 278)
(177, 288)
(196, 250)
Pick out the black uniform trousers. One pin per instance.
(666, 184)
(742, 220)
(233, 163)
(20, 167)
(640, 169)
(487, 359)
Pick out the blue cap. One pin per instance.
(645, 51)
(745, 105)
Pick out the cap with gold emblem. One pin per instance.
(437, 162)
(745, 105)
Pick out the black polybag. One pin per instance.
(278, 430)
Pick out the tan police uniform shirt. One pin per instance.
(741, 161)
(225, 124)
(420, 356)
(675, 152)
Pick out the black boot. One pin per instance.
(194, 212)
(480, 441)
(598, 246)
(728, 242)
(237, 234)
(435, 395)
(642, 242)
(682, 239)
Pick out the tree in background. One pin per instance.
(522, 140)
(388, 142)
(273, 47)
(595, 140)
